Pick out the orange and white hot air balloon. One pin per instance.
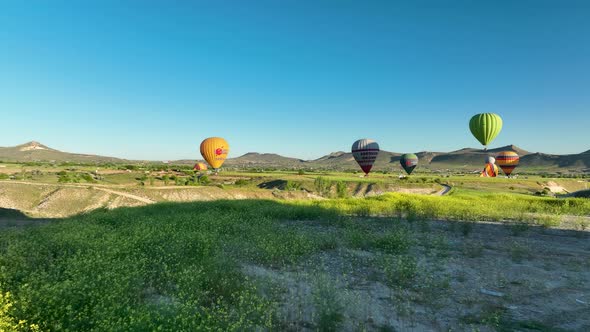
(200, 167)
(490, 171)
(365, 152)
(214, 150)
(507, 160)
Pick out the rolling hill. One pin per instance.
(254, 159)
(467, 159)
(35, 151)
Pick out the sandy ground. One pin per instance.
(555, 188)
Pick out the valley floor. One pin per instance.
(275, 253)
(50, 200)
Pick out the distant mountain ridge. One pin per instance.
(35, 151)
(466, 159)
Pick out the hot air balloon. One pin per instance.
(200, 167)
(485, 127)
(491, 171)
(507, 160)
(490, 160)
(409, 161)
(214, 150)
(365, 152)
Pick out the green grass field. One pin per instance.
(304, 260)
(186, 266)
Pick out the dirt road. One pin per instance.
(445, 190)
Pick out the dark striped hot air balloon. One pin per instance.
(365, 151)
(409, 161)
(485, 127)
(507, 160)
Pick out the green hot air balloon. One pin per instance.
(485, 127)
(409, 161)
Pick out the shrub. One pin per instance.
(322, 186)
(180, 181)
(292, 185)
(341, 189)
(400, 270)
(328, 304)
(67, 178)
(241, 182)
(87, 177)
(204, 180)
(395, 242)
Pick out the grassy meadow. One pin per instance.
(234, 265)
(290, 250)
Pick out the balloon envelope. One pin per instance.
(200, 167)
(365, 151)
(507, 160)
(214, 150)
(409, 161)
(491, 171)
(490, 160)
(485, 127)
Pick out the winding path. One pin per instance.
(135, 197)
(97, 187)
(444, 190)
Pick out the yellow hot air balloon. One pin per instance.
(214, 150)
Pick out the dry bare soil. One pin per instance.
(454, 276)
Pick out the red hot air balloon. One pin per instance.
(365, 151)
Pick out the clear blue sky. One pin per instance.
(150, 79)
